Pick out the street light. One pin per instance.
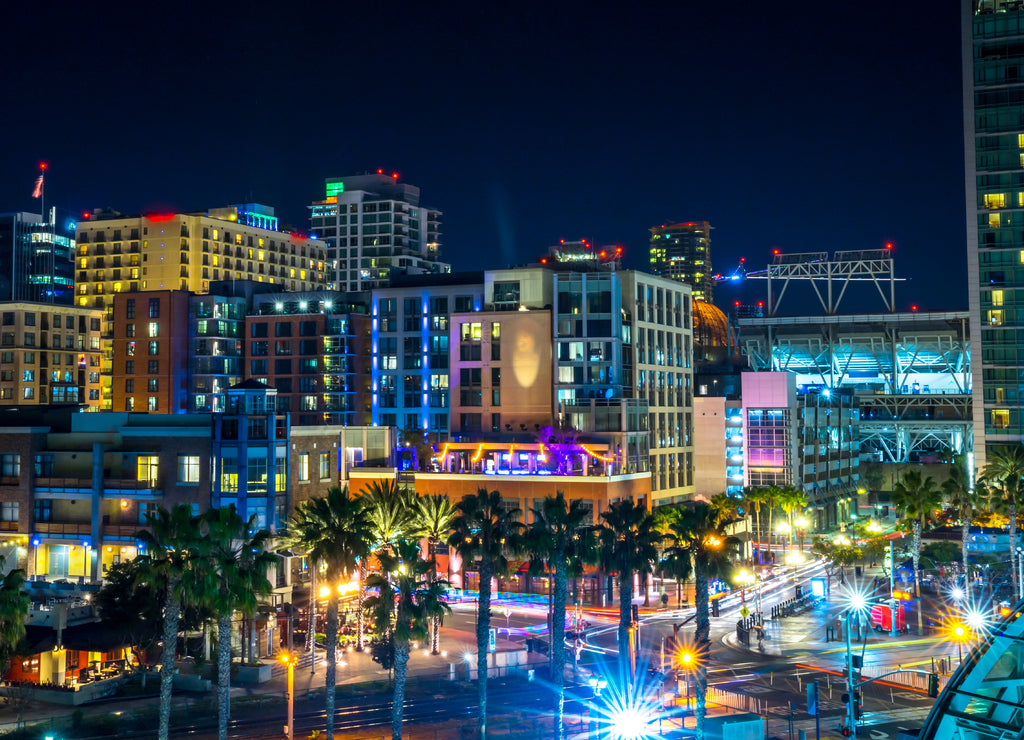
(290, 660)
(744, 579)
(783, 529)
(874, 527)
(801, 524)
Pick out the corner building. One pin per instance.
(993, 87)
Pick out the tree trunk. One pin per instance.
(965, 533)
(679, 594)
(483, 627)
(757, 535)
(332, 656)
(172, 613)
(223, 674)
(398, 699)
(917, 576)
(646, 586)
(360, 617)
(625, 621)
(435, 619)
(558, 641)
(1013, 546)
(703, 645)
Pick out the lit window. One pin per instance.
(148, 468)
(993, 220)
(1020, 141)
(304, 466)
(995, 318)
(152, 404)
(1000, 418)
(995, 200)
(997, 297)
(188, 468)
(154, 329)
(325, 466)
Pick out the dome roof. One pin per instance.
(710, 326)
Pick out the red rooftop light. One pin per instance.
(380, 171)
(775, 251)
(42, 165)
(737, 304)
(159, 216)
(888, 245)
(760, 304)
(85, 214)
(913, 307)
(394, 175)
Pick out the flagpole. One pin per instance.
(42, 191)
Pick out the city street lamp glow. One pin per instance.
(801, 522)
(632, 723)
(874, 526)
(795, 558)
(782, 527)
(957, 593)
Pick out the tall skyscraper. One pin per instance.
(36, 259)
(375, 229)
(682, 252)
(993, 86)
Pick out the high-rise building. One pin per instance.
(375, 229)
(36, 259)
(683, 252)
(187, 251)
(993, 86)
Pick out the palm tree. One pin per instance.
(1005, 469)
(628, 542)
(699, 533)
(14, 603)
(755, 498)
(434, 515)
(235, 580)
(331, 530)
(402, 611)
(966, 500)
(551, 540)
(391, 511)
(918, 498)
(791, 500)
(485, 531)
(171, 549)
(679, 567)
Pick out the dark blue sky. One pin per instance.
(784, 125)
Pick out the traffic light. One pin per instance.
(858, 704)
(715, 608)
(636, 613)
(933, 685)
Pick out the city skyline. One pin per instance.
(527, 129)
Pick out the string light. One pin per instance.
(444, 453)
(602, 458)
(479, 452)
(543, 456)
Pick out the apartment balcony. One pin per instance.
(112, 487)
(56, 530)
(120, 532)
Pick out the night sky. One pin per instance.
(800, 126)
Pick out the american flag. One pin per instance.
(37, 192)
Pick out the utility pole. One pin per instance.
(851, 723)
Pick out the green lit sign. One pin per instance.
(333, 188)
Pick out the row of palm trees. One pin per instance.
(216, 561)
(220, 560)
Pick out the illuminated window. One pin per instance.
(1000, 418)
(1020, 141)
(995, 200)
(997, 297)
(1000, 395)
(304, 466)
(260, 253)
(83, 263)
(471, 332)
(154, 329)
(325, 466)
(993, 220)
(148, 468)
(188, 468)
(995, 318)
(215, 234)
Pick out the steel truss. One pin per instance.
(830, 277)
(879, 356)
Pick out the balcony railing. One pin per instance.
(63, 530)
(111, 486)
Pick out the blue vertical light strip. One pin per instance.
(425, 368)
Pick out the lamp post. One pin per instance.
(959, 632)
(290, 660)
(783, 529)
(851, 722)
(1020, 572)
(744, 579)
(801, 524)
